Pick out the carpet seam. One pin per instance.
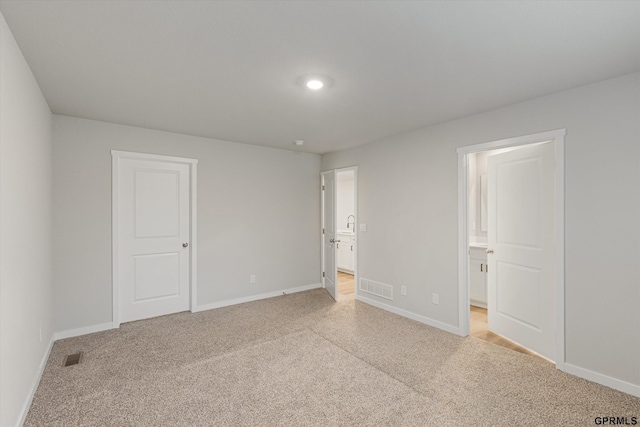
(370, 364)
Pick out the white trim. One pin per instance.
(115, 267)
(322, 272)
(154, 157)
(194, 235)
(70, 333)
(556, 136)
(606, 380)
(513, 142)
(410, 315)
(251, 298)
(35, 383)
(193, 247)
(559, 245)
(464, 299)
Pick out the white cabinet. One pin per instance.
(346, 250)
(478, 277)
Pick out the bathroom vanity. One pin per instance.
(478, 275)
(346, 251)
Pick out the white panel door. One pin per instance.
(521, 274)
(329, 236)
(153, 238)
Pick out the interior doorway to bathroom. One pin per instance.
(339, 233)
(346, 222)
(511, 277)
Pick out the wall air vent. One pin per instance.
(376, 288)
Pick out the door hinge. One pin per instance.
(323, 274)
(323, 231)
(323, 188)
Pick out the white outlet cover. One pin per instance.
(403, 290)
(363, 227)
(436, 299)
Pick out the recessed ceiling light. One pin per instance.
(298, 142)
(314, 84)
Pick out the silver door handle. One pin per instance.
(184, 245)
(489, 251)
(334, 241)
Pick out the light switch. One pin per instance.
(363, 227)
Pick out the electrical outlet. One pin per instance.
(435, 299)
(252, 278)
(403, 290)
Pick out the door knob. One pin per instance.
(489, 251)
(334, 241)
(184, 245)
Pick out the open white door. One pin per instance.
(153, 237)
(521, 287)
(329, 269)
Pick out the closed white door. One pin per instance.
(329, 236)
(521, 274)
(153, 238)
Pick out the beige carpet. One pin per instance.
(302, 359)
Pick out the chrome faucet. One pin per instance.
(349, 221)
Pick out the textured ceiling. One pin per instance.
(229, 70)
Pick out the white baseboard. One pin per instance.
(70, 333)
(606, 380)
(410, 315)
(35, 383)
(235, 301)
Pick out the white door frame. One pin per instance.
(356, 273)
(116, 157)
(557, 137)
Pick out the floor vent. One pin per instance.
(73, 359)
(376, 288)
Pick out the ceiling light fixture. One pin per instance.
(298, 142)
(314, 84)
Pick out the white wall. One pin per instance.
(26, 230)
(407, 188)
(258, 213)
(345, 196)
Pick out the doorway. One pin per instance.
(524, 296)
(154, 235)
(339, 234)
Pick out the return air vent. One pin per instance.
(376, 288)
(73, 359)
